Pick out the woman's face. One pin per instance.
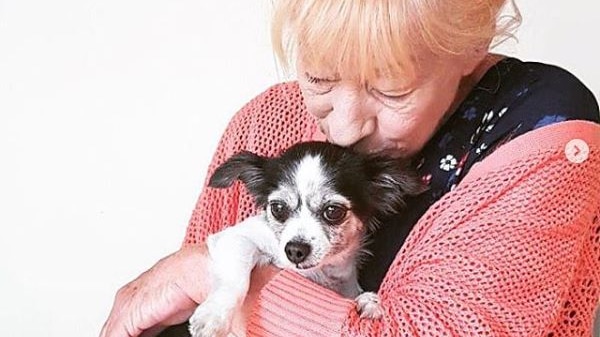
(392, 116)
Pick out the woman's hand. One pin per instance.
(166, 294)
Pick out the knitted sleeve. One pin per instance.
(514, 250)
(268, 124)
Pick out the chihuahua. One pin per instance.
(318, 202)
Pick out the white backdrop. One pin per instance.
(109, 113)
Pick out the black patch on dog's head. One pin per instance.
(376, 185)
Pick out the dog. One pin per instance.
(319, 202)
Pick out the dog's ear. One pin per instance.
(392, 181)
(246, 166)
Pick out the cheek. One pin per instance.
(412, 125)
(347, 234)
(406, 129)
(406, 125)
(317, 105)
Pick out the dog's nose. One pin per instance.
(297, 251)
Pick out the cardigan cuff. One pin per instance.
(293, 306)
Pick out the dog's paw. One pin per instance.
(368, 305)
(210, 321)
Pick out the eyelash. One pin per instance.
(316, 80)
(390, 97)
(312, 79)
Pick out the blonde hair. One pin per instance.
(365, 38)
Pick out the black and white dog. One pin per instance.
(319, 203)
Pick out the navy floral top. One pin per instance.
(513, 97)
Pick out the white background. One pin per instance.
(109, 114)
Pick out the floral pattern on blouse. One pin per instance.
(513, 97)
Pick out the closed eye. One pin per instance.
(318, 80)
(314, 80)
(391, 95)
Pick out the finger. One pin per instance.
(119, 327)
(144, 311)
(172, 305)
(153, 332)
(115, 325)
(115, 328)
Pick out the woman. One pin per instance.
(501, 244)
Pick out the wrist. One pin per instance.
(193, 264)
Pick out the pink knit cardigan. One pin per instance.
(514, 250)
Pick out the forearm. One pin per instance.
(454, 292)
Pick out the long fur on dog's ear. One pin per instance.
(392, 180)
(245, 166)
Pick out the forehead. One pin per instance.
(309, 174)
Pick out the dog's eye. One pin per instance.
(279, 210)
(334, 214)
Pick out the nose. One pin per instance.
(351, 119)
(297, 251)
